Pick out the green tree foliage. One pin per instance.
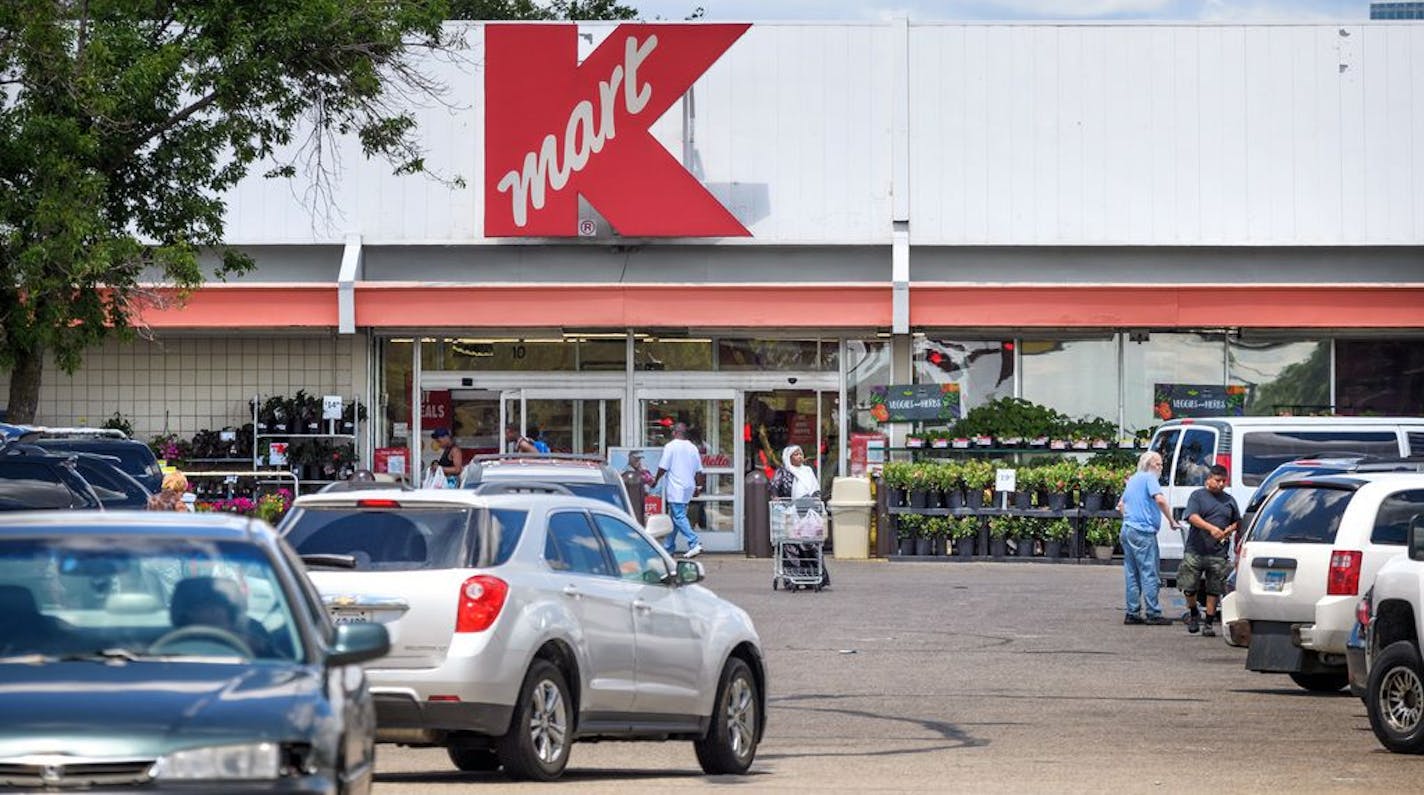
(531, 10)
(123, 123)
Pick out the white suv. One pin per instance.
(1393, 615)
(522, 622)
(1313, 548)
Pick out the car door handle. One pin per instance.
(639, 604)
(572, 591)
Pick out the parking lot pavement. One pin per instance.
(988, 677)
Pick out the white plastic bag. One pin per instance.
(810, 527)
(435, 480)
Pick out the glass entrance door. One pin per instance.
(712, 419)
(586, 422)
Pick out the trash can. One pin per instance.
(850, 507)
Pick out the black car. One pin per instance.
(174, 651)
(42, 482)
(115, 489)
(135, 458)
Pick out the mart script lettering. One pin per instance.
(556, 130)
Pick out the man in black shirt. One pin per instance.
(1213, 516)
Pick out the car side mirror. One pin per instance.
(1416, 538)
(690, 572)
(358, 642)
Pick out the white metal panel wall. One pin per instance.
(1167, 135)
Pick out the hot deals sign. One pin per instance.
(556, 129)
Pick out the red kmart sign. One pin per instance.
(556, 129)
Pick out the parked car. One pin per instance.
(136, 459)
(524, 622)
(584, 476)
(1312, 548)
(115, 489)
(1392, 616)
(161, 651)
(1252, 447)
(35, 482)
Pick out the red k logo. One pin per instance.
(556, 129)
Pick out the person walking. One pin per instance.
(1142, 500)
(452, 459)
(1214, 517)
(796, 480)
(170, 494)
(516, 443)
(682, 465)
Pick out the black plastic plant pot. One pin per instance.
(919, 498)
(924, 546)
(1057, 500)
(954, 498)
(941, 545)
(907, 546)
(974, 498)
(1025, 548)
(965, 547)
(998, 548)
(1023, 499)
(1053, 550)
(896, 496)
(1092, 500)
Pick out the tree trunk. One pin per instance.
(25, 386)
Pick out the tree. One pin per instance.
(123, 123)
(531, 10)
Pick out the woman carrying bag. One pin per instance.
(796, 480)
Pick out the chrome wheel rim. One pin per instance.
(1402, 699)
(548, 722)
(740, 709)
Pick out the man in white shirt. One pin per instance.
(682, 464)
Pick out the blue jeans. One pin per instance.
(680, 525)
(1140, 559)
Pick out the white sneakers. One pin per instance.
(692, 553)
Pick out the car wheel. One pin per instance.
(536, 747)
(1322, 683)
(472, 758)
(1394, 699)
(731, 741)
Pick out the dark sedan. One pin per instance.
(187, 652)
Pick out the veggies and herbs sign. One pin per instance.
(1197, 400)
(914, 402)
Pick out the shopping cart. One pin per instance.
(798, 535)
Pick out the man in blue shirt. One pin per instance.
(1142, 501)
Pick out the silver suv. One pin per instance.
(581, 475)
(522, 622)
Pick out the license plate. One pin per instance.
(349, 616)
(1275, 581)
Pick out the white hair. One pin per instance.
(1147, 459)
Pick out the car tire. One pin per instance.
(536, 747)
(472, 758)
(1394, 698)
(731, 741)
(1322, 683)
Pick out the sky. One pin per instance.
(938, 10)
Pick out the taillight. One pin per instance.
(1224, 460)
(1344, 577)
(1362, 611)
(481, 599)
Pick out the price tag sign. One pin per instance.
(227, 436)
(331, 407)
(1006, 480)
(395, 465)
(230, 479)
(277, 454)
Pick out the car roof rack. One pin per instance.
(487, 457)
(54, 433)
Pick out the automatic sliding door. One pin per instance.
(711, 425)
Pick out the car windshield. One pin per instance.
(121, 597)
(1301, 514)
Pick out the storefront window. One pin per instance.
(983, 370)
(1288, 378)
(776, 355)
(867, 366)
(672, 353)
(484, 354)
(394, 406)
(1076, 377)
(1169, 360)
(1379, 376)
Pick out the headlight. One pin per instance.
(247, 762)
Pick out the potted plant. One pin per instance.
(1056, 532)
(1028, 481)
(896, 476)
(1101, 535)
(937, 529)
(920, 485)
(1093, 481)
(915, 440)
(1000, 529)
(965, 531)
(1058, 480)
(907, 529)
(978, 477)
(1028, 531)
(949, 479)
(924, 541)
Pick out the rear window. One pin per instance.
(29, 485)
(1263, 451)
(403, 539)
(135, 459)
(1396, 512)
(1301, 515)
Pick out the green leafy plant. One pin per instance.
(1101, 532)
(963, 527)
(948, 476)
(1005, 526)
(897, 474)
(119, 423)
(909, 525)
(936, 526)
(1056, 529)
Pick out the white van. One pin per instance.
(1251, 447)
